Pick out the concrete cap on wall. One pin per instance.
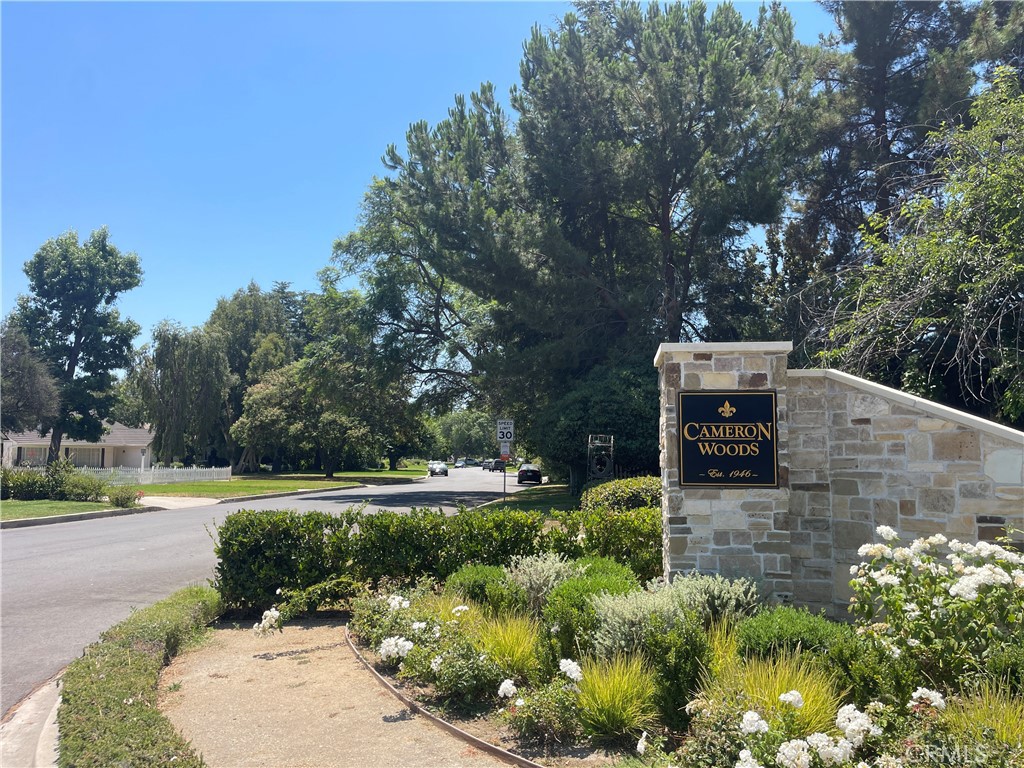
(734, 347)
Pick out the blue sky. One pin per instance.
(229, 142)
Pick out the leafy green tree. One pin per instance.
(505, 262)
(71, 322)
(28, 393)
(243, 322)
(184, 384)
(942, 309)
(466, 432)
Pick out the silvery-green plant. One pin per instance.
(714, 598)
(539, 574)
(623, 621)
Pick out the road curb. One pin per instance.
(29, 728)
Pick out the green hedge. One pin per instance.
(621, 495)
(108, 714)
(784, 630)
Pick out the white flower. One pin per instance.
(519, 702)
(753, 723)
(354, 530)
(855, 725)
(571, 670)
(831, 751)
(641, 746)
(554, 629)
(927, 697)
(875, 550)
(395, 648)
(885, 578)
(793, 698)
(397, 602)
(747, 760)
(435, 664)
(887, 533)
(269, 622)
(794, 754)
(418, 625)
(507, 689)
(459, 609)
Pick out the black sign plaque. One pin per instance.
(728, 439)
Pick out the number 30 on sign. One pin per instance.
(505, 430)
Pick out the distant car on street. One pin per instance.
(438, 468)
(497, 465)
(528, 473)
(472, 462)
(459, 464)
(487, 464)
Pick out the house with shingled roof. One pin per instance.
(121, 446)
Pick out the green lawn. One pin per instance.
(19, 510)
(543, 498)
(242, 485)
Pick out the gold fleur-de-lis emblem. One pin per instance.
(727, 410)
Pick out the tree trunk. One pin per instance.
(56, 436)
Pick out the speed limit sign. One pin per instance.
(506, 430)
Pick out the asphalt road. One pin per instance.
(61, 585)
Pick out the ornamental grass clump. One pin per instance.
(949, 604)
(987, 713)
(513, 643)
(759, 683)
(617, 698)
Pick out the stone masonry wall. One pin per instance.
(862, 455)
(853, 455)
(735, 532)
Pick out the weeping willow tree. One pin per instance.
(184, 382)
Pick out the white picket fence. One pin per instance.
(136, 476)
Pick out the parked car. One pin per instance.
(487, 464)
(472, 462)
(459, 464)
(438, 468)
(528, 473)
(497, 465)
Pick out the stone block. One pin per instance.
(719, 381)
(850, 535)
(753, 380)
(1005, 466)
(845, 487)
(956, 446)
(936, 502)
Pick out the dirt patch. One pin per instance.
(301, 699)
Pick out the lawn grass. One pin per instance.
(242, 485)
(21, 510)
(546, 498)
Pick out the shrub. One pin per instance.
(538, 574)
(79, 487)
(108, 713)
(549, 714)
(491, 536)
(715, 598)
(398, 545)
(488, 585)
(621, 495)
(786, 630)
(617, 698)
(952, 618)
(668, 635)
(569, 611)
(124, 496)
(869, 672)
(261, 551)
(59, 475)
(28, 485)
(465, 675)
(5, 483)
(629, 536)
(1007, 666)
